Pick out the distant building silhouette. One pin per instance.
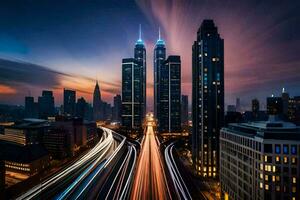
(97, 104)
(81, 108)
(274, 106)
(285, 102)
(208, 99)
(46, 104)
(69, 102)
(31, 108)
(117, 108)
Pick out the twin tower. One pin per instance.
(167, 88)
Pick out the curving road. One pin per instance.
(150, 179)
(89, 176)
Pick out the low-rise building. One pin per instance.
(260, 160)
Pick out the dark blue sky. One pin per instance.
(75, 42)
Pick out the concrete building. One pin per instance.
(260, 160)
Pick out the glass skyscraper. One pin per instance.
(97, 103)
(158, 59)
(208, 98)
(140, 56)
(169, 119)
(131, 93)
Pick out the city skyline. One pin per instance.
(75, 59)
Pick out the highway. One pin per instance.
(179, 184)
(150, 179)
(105, 172)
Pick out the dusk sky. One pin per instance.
(57, 44)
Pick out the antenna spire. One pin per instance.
(140, 33)
(158, 33)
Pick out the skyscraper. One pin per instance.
(132, 93)
(140, 56)
(69, 102)
(184, 109)
(31, 108)
(46, 104)
(159, 59)
(97, 104)
(169, 119)
(117, 108)
(208, 98)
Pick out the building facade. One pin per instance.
(31, 108)
(208, 98)
(260, 160)
(132, 94)
(140, 56)
(158, 60)
(169, 118)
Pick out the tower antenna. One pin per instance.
(140, 32)
(158, 33)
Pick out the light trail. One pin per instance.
(150, 180)
(180, 187)
(98, 151)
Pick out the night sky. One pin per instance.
(57, 44)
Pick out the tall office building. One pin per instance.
(184, 109)
(140, 56)
(159, 59)
(132, 94)
(31, 108)
(117, 108)
(69, 102)
(46, 104)
(169, 119)
(97, 104)
(208, 98)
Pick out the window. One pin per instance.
(294, 160)
(277, 159)
(293, 149)
(277, 148)
(294, 180)
(285, 149)
(285, 159)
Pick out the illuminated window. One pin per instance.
(266, 177)
(261, 185)
(266, 187)
(285, 149)
(278, 188)
(261, 176)
(277, 148)
(277, 159)
(261, 166)
(205, 54)
(273, 178)
(294, 149)
(294, 189)
(294, 180)
(294, 160)
(274, 168)
(285, 159)
(277, 178)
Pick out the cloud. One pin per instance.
(261, 40)
(18, 78)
